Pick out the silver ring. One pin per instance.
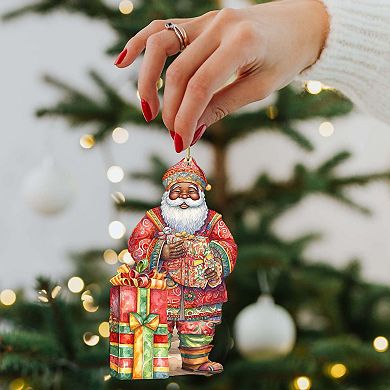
(180, 33)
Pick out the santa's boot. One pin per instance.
(197, 359)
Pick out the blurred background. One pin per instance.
(302, 179)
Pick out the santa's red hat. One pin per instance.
(185, 171)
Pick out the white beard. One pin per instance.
(187, 220)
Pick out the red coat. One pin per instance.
(198, 303)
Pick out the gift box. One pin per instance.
(138, 325)
(189, 269)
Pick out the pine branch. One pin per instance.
(329, 165)
(156, 172)
(297, 137)
(62, 325)
(91, 8)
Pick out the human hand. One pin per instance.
(210, 273)
(173, 251)
(265, 46)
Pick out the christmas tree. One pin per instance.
(60, 341)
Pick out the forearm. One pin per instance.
(356, 56)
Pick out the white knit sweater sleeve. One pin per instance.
(356, 56)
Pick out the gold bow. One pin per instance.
(127, 276)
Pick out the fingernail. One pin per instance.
(178, 143)
(172, 133)
(198, 133)
(146, 110)
(121, 56)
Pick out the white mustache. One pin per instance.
(188, 201)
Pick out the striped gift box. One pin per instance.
(138, 333)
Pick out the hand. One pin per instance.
(210, 273)
(173, 251)
(265, 46)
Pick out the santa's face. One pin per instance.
(184, 191)
(184, 208)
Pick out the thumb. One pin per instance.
(229, 99)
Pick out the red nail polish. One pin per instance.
(121, 57)
(172, 133)
(198, 133)
(178, 143)
(146, 110)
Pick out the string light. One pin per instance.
(272, 112)
(89, 306)
(104, 329)
(106, 377)
(116, 229)
(326, 129)
(88, 302)
(337, 370)
(56, 290)
(86, 296)
(380, 344)
(17, 384)
(159, 83)
(110, 256)
(120, 135)
(125, 257)
(314, 87)
(118, 197)
(43, 296)
(75, 284)
(115, 174)
(91, 339)
(7, 297)
(302, 383)
(87, 141)
(126, 7)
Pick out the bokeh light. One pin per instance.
(326, 129)
(90, 339)
(7, 297)
(110, 256)
(337, 370)
(116, 229)
(126, 7)
(89, 306)
(87, 141)
(75, 284)
(125, 257)
(159, 83)
(302, 383)
(314, 87)
(56, 290)
(17, 384)
(120, 135)
(118, 197)
(272, 111)
(104, 329)
(115, 174)
(381, 344)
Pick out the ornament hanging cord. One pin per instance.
(263, 282)
(188, 157)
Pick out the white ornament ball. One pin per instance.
(48, 189)
(264, 330)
